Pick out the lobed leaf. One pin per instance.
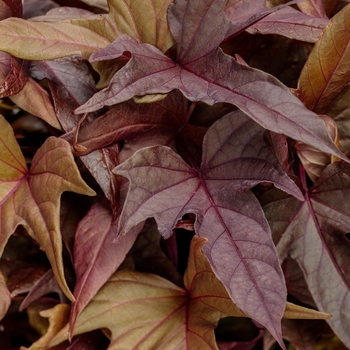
(314, 233)
(202, 72)
(239, 242)
(25, 200)
(181, 318)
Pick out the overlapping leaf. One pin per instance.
(240, 246)
(291, 24)
(326, 71)
(204, 73)
(32, 198)
(97, 253)
(181, 318)
(315, 234)
(40, 40)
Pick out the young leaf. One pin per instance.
(26, 200)
(163, 186)
(326, 71)
(202, 72)
(315, 234)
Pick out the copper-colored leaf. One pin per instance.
(326, 71)
(32, 198)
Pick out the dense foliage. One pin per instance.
(174, 174)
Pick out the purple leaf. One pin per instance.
(202, 72)
(315, 234)
(291, 24)
(71, 84)
(45, 285)
(239, 249)
(98, 252)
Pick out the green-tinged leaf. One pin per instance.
(34, 99)
(45, 41)
(143, 20)
(145, 311)
(58, 317)
(326, 71)
(32, 198)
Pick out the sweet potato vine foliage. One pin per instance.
(174, 174)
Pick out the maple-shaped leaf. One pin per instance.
(316, 234)
(181, 318)
(240, 248)
(202, 72)
(32, 197)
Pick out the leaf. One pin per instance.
(58, 317)
(34, 99)
(314, 161)
(33, 8)
(5, 300)
(314, 233)
(25, 201)
(143, 20)
(13, 76)
(45, 41)
(97, 254)
(227, 212)
(291, 24)
(70, 82)
(181, 318)
(21, 280)
(326, 72)
(12, 8)
(314, 8)
(198, 74)
(45, 285)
